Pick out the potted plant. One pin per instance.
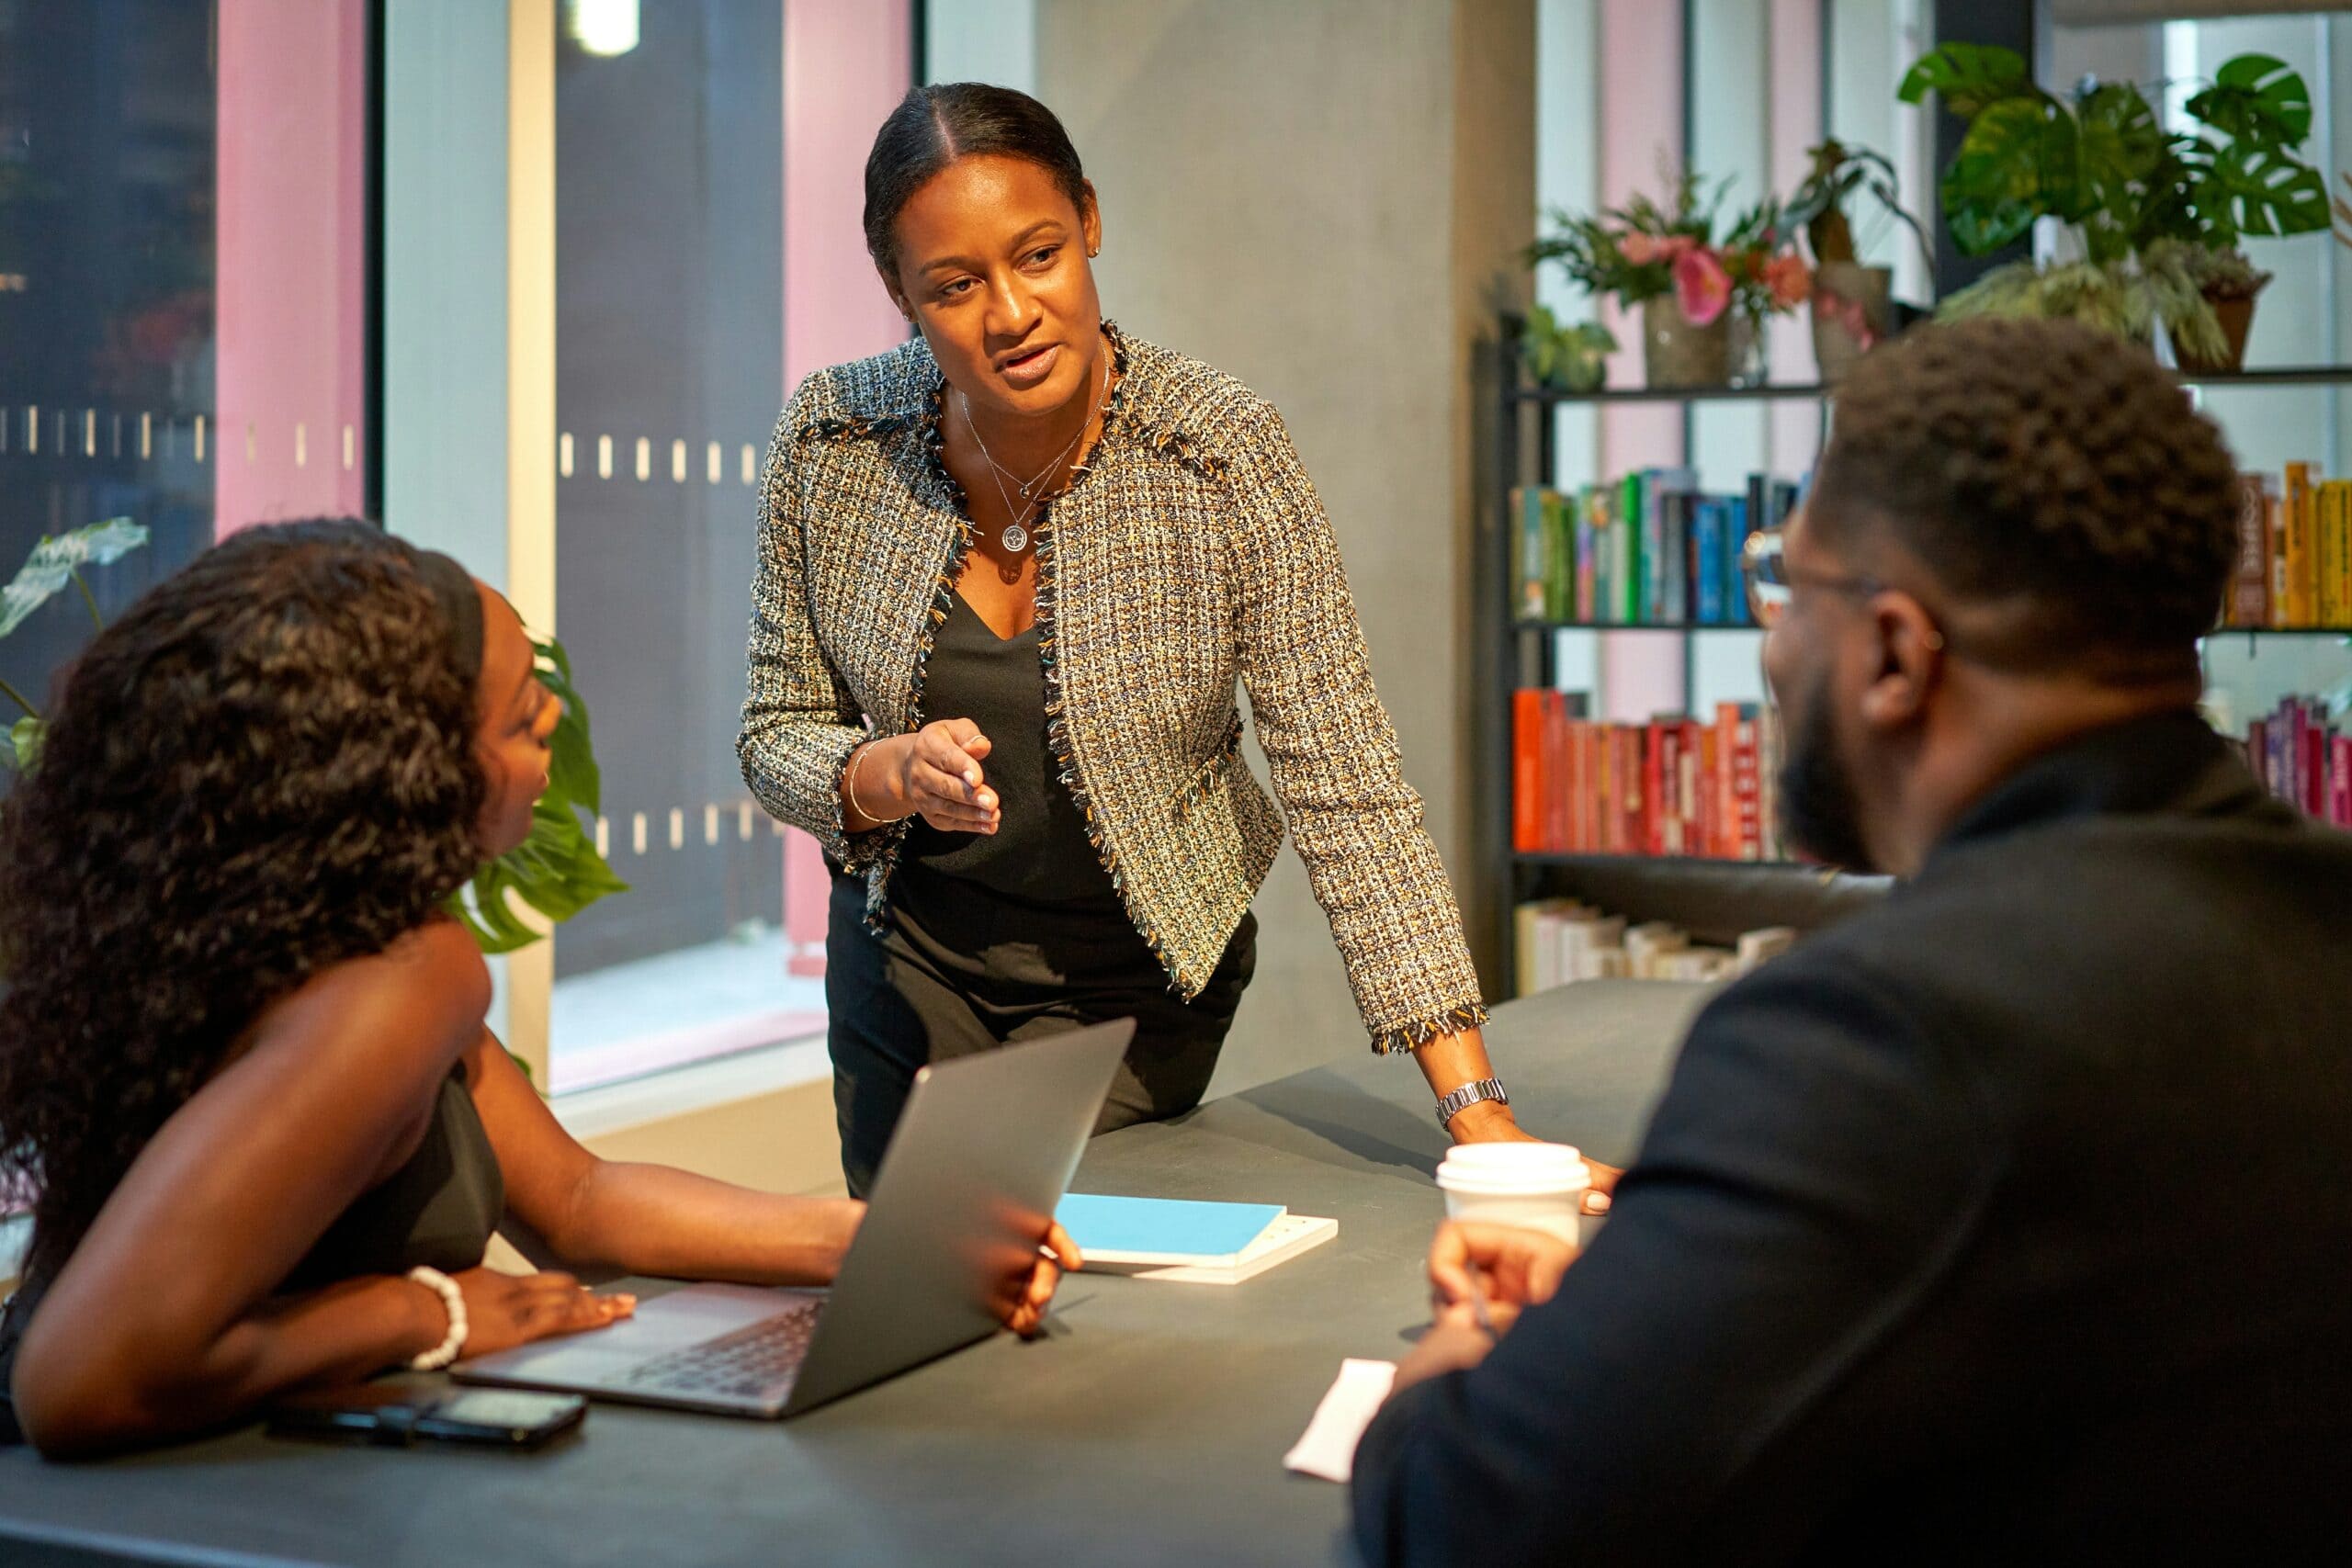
(1566, 358)
(1853, 305)
(554, 873)
(2154, 208)
(1701, 298)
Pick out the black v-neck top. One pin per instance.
(437, 1209)
(1039, 855)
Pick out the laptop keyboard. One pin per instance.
(755, 1362)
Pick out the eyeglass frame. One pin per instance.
(1772, 583)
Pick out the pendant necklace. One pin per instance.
(1015, 536)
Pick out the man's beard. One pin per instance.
(1821, 812)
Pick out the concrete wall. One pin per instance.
(1325, 199)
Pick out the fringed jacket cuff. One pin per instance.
(1190, 558)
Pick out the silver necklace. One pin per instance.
(1015, 537)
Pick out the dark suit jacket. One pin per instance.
(2008, 1221)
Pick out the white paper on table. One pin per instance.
(1329, 1446)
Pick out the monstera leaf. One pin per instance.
(54, 561)
(1969, 77)
(2258, 99)
(2248, 189)
(554, 873)
(2020, 160)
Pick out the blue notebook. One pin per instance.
(1157, 1230)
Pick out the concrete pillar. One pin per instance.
(1328, 199)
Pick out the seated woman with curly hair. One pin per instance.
(244, 1070)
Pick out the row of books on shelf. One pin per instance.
(1558, 941)
(2294, 551)
(1673, 787)
(2302, 759)
(1649, 549)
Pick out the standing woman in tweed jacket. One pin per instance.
(1009, 576)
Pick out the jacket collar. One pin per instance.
(2168, 763)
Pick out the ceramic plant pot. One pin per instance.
(2235, 312)
(1852, 309)
(1677, 353)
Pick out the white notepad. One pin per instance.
(1328, 1448)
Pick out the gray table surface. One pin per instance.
(1148, 1427)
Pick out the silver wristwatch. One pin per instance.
(1468, 1095)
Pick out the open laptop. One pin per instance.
(981, 1156)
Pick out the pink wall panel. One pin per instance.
(293, 267)
(846, 64)
(1641, 119)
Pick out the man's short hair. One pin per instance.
(2046, 469)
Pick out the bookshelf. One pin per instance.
(1522, 451)
(2292, 376)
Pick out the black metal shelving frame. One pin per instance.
(1515, 459)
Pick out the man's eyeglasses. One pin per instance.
(1771, 582)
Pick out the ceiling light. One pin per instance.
(604, 26)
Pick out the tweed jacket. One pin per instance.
(1188, 553)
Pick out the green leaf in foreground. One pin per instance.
(554, 873)
(23, 743)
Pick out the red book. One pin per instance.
(1666, 801)
(1652, 840)
(1709, 809)
(1586, 779)
(1694, 835)
(2339, 802)
(1554, 825)
(1745, 787)
(1626, 805)
(2257, 752)
(2315, 758)
(1526, 770)
(1726, 797)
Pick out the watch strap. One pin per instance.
(1468, 1095)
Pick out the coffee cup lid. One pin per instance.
(1513, 1167)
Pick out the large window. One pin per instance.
(676, 257)
(183, 283)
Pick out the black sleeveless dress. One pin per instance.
(437, 1211)
(992, 939)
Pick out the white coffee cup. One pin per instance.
(1537, 1186)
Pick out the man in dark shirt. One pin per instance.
(2010, 1221)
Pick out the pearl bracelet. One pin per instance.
(453, 1300)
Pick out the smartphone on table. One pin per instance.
(392, 1416)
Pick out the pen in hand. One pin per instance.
(1478, 1306)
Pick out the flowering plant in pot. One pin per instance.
(2151, 206)
(1701, 296)
(1853, 305)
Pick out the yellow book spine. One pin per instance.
(2298, 553)
(2335, 552)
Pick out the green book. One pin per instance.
(1625, 557)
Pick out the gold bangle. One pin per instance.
(849, 784)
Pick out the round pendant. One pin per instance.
(1015, 538)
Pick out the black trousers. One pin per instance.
(960, 970)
